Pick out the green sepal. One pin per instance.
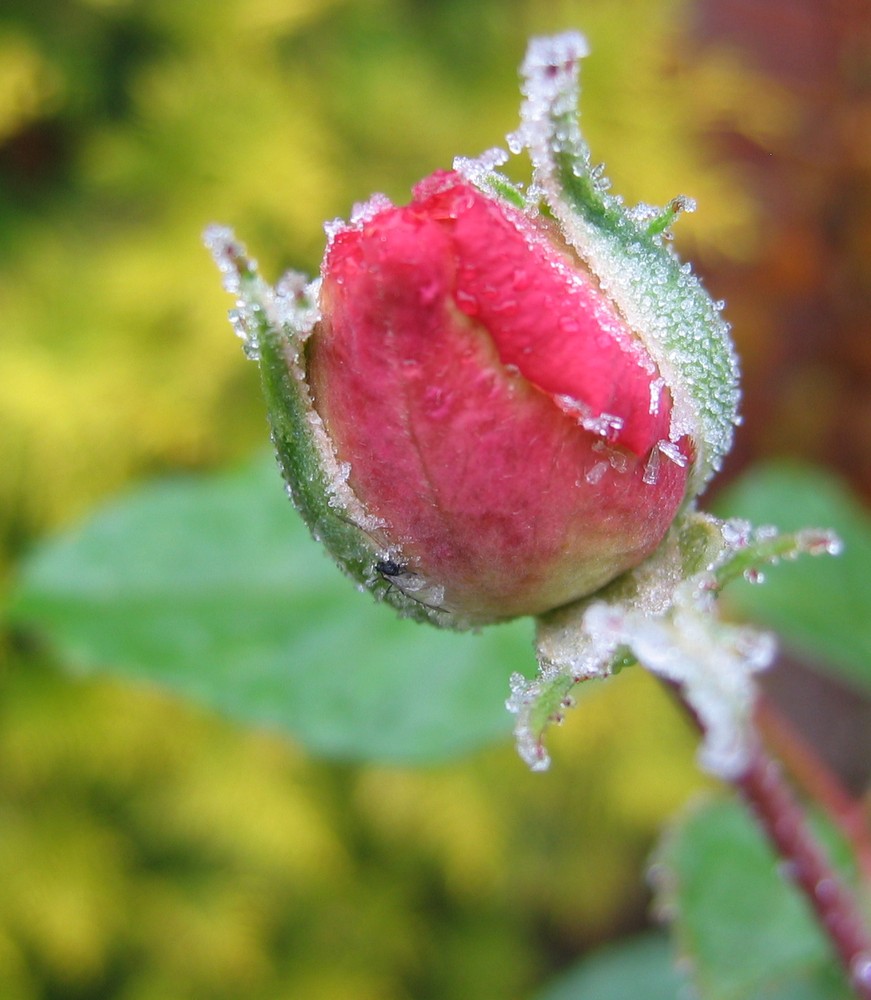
(274, 323)
(660, 298)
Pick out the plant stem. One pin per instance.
(806, 865)
(816, 780)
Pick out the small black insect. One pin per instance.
(389, 568)
(390, 572)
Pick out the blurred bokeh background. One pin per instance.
(151, 850)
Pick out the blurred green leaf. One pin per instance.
(746, 933)
(641, 967)
(211, 586)
(821, 607)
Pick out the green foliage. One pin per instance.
(636, 968)
(821, 608)
(212, 587)
(744, 932)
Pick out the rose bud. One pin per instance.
(474, 410)
(497, 413)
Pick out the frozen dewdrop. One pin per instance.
(818, 541)
(737, 533)
(515, 142)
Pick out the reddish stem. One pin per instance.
(816, 780)
(805, 863)
(807, 866)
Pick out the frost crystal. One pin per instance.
(477, 169)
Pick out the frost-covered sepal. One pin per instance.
(274, 323)
(661, 299)
(663, 615)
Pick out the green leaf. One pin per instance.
(642, 967)
(746, 934)
(211, 587)
(821, 607)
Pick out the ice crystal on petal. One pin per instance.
(363, 211)
(673, 453)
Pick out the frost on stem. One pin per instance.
(664, 616)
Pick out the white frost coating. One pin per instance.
(552, 62)
(297, 304)
(663, 303)
(292, 306)
(522, 700)
(526, 694)
(476, 169)
(665, 613)
(364, 211)
(712, 663)
(361, 213)
(737, 533)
